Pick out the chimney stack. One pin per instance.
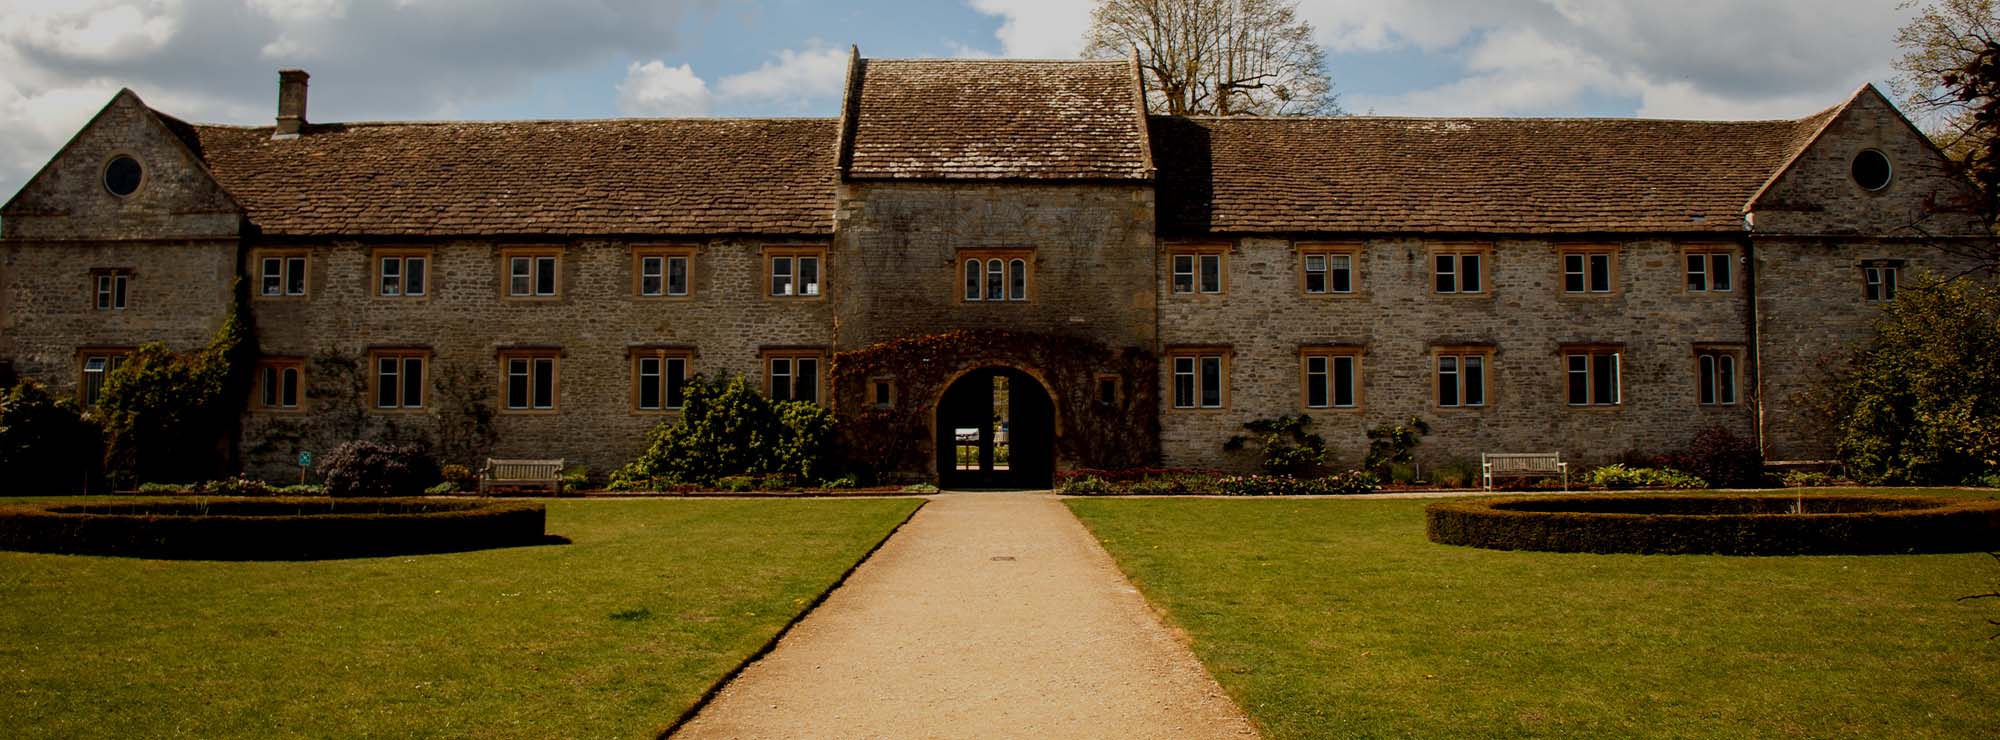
(291, 103)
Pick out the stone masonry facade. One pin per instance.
(1194, 242)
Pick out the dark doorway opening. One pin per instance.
(996, 429)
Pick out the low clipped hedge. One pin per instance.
(1720, 524)
(269, 528)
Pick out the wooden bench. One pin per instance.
(1521, 465)
(516, 473)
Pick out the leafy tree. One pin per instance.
(1217, 57)
(1286, 447)
(1949, 75)
(1921, 403)
(172, 417)
(733, 430)
(46, 445)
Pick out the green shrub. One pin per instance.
(167, 489)
(236, 486)
(920, 488)
(736, 483)
(1327, 485)
(1285, 447)
(299, 490)
(363, 468)
(846, 481)
(805, 445)
(460, 477)
(1988, 480)
(443, 488)
(1619, 477)
(1163, 486)
(1921, 402)
(729, 431)
(1456, 475)
(576, 478)
(1085, 486)
(168, 417)
(269, 528)
(46, 444)
(1394, 444)
(1807, 479)
(1749, 525)
(1720, 457)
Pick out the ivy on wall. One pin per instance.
(169, 416)
(899, 441)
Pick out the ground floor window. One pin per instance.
(794, 375)
(1331, 377)
(398, 378)
(1592, 376)
(280, 383)
(1201, 378)
(529, 379)
(98, 365)
(1462, 376)
(659, 379)
(1716, 369)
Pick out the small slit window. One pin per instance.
(1871, 170)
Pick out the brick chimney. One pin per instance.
(291, 103)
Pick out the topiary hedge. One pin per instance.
(1720, 524)
(269, 528)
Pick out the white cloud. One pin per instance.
(95, 30)
(1038, 29)
(655, 89)
(793, 76)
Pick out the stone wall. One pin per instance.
(1397, 318)
(466, 322)
(176, 198)
(176, 292)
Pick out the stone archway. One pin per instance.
(996, 428)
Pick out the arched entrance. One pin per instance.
(996, 429)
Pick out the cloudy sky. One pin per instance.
(216, 60)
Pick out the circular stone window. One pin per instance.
(123, 175)
(1871, 170)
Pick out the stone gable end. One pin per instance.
(1816, 193)
(176, 198)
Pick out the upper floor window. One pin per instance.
(992, 275)
(110, 288)
(793, 375)
(1710, 271)
(281, 273)
(1198, 269)
(98, 365)
(1460, 270)
(280, 383)
(794, 272)
(1327, 270)
(1716, 370)
(882, 392)
(1589, 270)
(402, 273)
(533, 273)
(659, 378)
(397, 378)
(1462, 375)
(1332, 377)
(1879, 281)
(1592, 376)
(1201, 378)
(528, 379)
(662, 273)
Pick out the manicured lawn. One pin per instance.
(612, 636)
(1339, 619)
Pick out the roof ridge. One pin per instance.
(1535, 119)
(979, 60)
(502, 121)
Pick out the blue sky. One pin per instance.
(215, 60)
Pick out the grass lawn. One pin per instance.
(1337, 618)
(614, 635)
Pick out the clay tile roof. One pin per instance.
(1444, 175)
(638, 176)
(995, 119)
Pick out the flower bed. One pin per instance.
(1175, 482)
(269, 528)
(1720, 524)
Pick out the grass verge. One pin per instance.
(1339, 619)
(613, 635)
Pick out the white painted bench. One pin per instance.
(521, 473)
(1521, 465)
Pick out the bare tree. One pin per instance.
(1217, 57)
(1949, 76)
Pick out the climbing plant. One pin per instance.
(171, 417)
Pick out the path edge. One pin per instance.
(708, 695)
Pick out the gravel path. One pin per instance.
(987, 615)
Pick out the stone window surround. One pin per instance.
(402, 354)
(379, 254)
(506, 270)
(1226, 355)
(769, 355)
(110, 288)
(104, 173)
(1482, 250)
(1195, 253)
(1116, 383)
(1353, 352)
(666, 254)
(1353, 254)
(110, 354)
(532, 355)
(663, 353)
(1585, 252)
(1007, 258)
(880, 383)
(774, 252)
(276, 367)
(1735, 353)
(1708, 253)
(1485, 353)
(284, 255)
(1592, 350)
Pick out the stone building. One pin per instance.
(982, 240)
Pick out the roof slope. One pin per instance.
(1473, 175)
(638, 176)
(995, 119)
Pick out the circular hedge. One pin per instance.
(269, 528)
(1720, 524)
